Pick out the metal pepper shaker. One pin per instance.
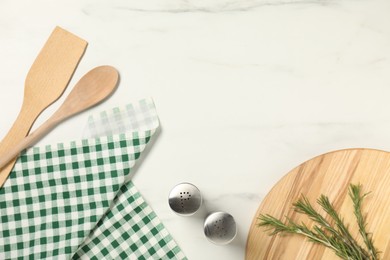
(185, 199)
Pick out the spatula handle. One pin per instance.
(18, 131)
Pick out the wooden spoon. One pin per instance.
(92, 88)
(45, 82)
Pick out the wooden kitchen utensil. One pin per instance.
(44, 84)
(91, 89)
(329, 174)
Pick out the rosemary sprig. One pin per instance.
(294, 228)
(347, 238)
(357, 198)
(333, 234)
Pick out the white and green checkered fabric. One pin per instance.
(72, 200)
(110, 239)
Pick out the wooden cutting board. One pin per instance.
(328, 174)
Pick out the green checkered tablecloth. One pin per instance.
(75, 201)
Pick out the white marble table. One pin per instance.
(245, 90)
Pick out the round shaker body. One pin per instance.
(185, 199)
(220, 228)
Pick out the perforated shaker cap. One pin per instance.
(185, 199)
(220, 228)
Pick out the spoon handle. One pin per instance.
(13, 152)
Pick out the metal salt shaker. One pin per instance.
(220, 228)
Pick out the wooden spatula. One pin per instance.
(44, 84)
(91, 89)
